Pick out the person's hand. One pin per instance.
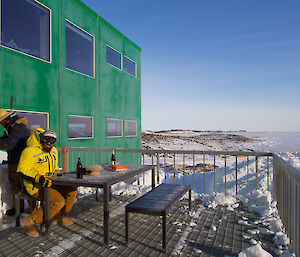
(44, 181)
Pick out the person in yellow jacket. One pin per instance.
(38, 162)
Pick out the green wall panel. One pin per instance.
(37, 85)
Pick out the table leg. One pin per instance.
(164, 233)
(47, 210)
(153, 177)
(190, 200)
(106, 190)
(126, 227)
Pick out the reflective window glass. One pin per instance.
(130, 128)
(25, 27)
(80, 126)
(35, 119)
(129, 66)
(113, 57)
(114, 128)
(79, 50)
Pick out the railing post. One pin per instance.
(214, 173)
(247, 174)
(204, 173)
(143, 158)
(152, 161)
(157, 167)
(256, 172)
(65, 151)
(225, 176)
(236, 174)
(72, 160)
(184, 169)
(268, 173)
(165, 167)
(194, 179)
(174, 169)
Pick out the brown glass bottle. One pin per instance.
(113, 158)
(79, 171)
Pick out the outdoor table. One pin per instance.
(105, 180)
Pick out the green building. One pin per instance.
(70, 70)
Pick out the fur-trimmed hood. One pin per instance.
(34, 139)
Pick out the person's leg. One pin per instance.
(15, 186)
(57, 202)
(28, 223)
(32, 205)
(69, 193)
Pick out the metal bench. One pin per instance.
(157, 202)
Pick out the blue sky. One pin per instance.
(214, 65)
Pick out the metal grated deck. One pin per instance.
(187, 235)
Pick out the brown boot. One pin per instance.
(28, 225)
(62, 222)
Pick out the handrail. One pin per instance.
(287, 194)
(146, 151)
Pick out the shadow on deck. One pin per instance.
(187, 234)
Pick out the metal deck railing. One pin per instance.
(175, 162)
(286, 179)
(287, 194)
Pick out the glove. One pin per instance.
(44, 181)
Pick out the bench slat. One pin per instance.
(159, 199)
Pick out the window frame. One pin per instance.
(121, 128)
(94, 63)
(106, 45)
(33, 112)
(82, 116)
(50, 36)
(135, 66)
(135, 128)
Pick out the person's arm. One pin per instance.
(9, 141)
(28, 172)
(26, 163)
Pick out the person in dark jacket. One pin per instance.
(14, 142)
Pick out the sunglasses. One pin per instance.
(50, 140)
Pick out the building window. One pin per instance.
(129, 66)
(130, 128)
(79, 50)
(113, 57)
(25, 27)
(114, 128)
(35, 119)
(80, 127)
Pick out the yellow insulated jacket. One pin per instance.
(35, 161)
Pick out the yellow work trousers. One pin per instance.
(62, 199)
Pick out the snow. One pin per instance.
(286, 145)
(254, 251)
(259, 201)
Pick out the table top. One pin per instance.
(106, 176)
